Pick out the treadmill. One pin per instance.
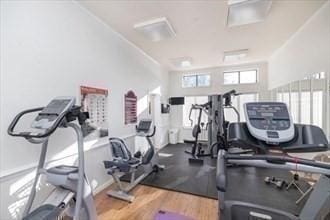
(271, 134)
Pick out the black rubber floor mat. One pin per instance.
(244, 183)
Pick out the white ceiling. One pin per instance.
(200, 26)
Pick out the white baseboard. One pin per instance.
(103, 186)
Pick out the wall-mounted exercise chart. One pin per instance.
(130, 108)
(95, 101)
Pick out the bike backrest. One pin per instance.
(119, 149)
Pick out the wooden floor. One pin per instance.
(149, 200)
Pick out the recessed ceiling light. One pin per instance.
(156, 29)
(186, 63)
(235, 55)
(182, 62)
(242, 12)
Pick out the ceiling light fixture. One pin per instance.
(156, 29)
(241, 12)
(235, 55)
(182, 62)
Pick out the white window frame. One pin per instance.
(239, 76)
(195, 75)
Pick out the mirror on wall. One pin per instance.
(308, 100)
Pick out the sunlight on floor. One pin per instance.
(165, 155)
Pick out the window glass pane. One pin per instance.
(305, 108)
(203, 80)
(244, 98)
(295, 106)
(286, 99)
(248, 76)
(188, 101)
(279, 97)
(230, 114)
(188, 81)
(202, 100)
(230, 78)
(317, 108)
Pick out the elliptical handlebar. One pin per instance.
(47, 132)
(58, 112)
(153, 132)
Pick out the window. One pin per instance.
(308, 99)
(317, 108)
(240, 77)
(189, 81)
(320, 75)
(244, 98)
(231, 78)
(295, 106)
(189, 101)
(203, 80)
(305, 104)
(238, 103)
(230, 114)
(199, 80)
(248, 77)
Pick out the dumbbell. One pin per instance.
(277, 182)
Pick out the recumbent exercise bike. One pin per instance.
(124, 162)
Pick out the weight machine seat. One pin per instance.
(45, 212)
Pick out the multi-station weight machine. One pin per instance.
(216, 126)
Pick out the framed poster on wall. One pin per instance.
(95, 102)
(130, 108)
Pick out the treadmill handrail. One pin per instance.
(278, 159)
(304, 148)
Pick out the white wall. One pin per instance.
(305, 53)
(217, 87)
(49, 49)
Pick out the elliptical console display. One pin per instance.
(269, 121)
(52, 112)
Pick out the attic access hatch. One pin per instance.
(156, 29)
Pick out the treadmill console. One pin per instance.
(269, 121)
(53, 112)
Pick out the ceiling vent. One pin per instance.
(241, 12)
(156, 29)
(234, 55)
(182, 62)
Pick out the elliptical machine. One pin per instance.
(124, 162)
(271, 134)
(72, 196)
